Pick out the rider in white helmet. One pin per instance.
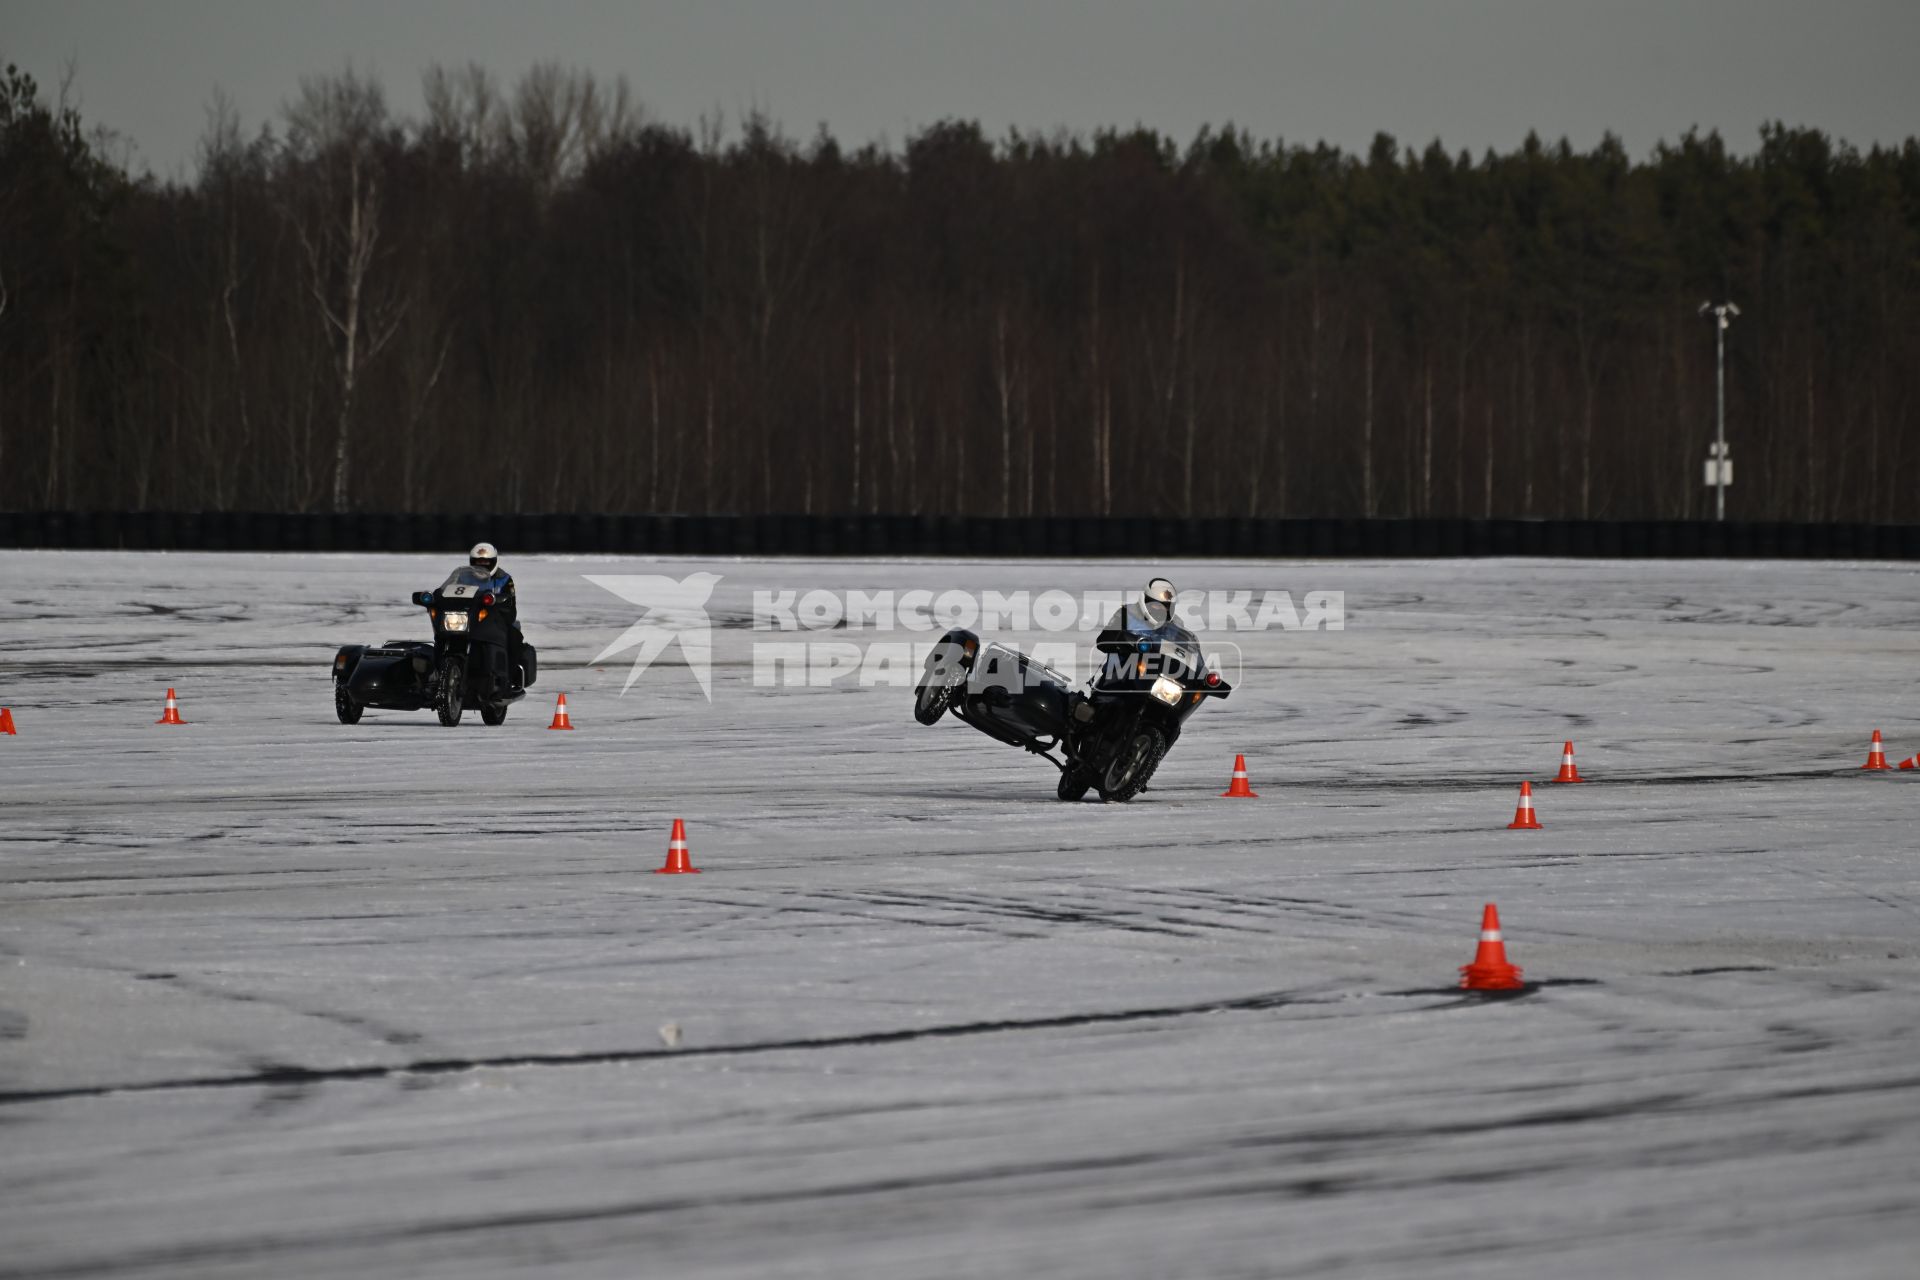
(1153, 611)
(484, 571)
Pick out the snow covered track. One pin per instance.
(279, 996)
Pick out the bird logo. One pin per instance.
(676, 612)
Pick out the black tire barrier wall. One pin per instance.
(1052, 537)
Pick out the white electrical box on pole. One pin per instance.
(1719, 467)
(1720, 460)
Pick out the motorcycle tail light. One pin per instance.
(486, 597)
(1213, 679)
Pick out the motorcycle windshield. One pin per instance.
(1175, 650)
(1181, 645)
(464, 583)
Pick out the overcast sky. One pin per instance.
(1474, 73)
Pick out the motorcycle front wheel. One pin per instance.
(1133, 764)
(344, 706)
(453, 691)
(493, 713)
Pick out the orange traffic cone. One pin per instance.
(1876, 754)
(1911, 762)
(6, 720)
(560, 720)
(1523, 819)
(1239, 787)
(1567, 772)
(172, 715)
(1490, 970)
(678, 863)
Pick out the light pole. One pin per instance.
(1720, 465)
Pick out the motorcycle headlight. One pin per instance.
(1167, 690)
(454, 621)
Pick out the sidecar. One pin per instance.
(393, 676)
(1005, 694)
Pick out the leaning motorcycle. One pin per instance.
(1110, 737)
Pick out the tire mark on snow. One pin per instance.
(1306, 1151)
(1012, 908)
(385, 1033)
(294, 1075)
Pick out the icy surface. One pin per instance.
(281, 997)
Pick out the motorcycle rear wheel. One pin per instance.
(344, 706)
(1075, 782)
(491, 713)
(1133, 765)
(453, 693)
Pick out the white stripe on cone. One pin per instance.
(1489, 935)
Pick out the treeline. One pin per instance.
(536, 299)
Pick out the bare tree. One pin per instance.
(465, 110)
(556, 120)
(335, 130)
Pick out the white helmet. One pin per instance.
(1158, 601)
(485, 557)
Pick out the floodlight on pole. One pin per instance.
(1720, 465)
